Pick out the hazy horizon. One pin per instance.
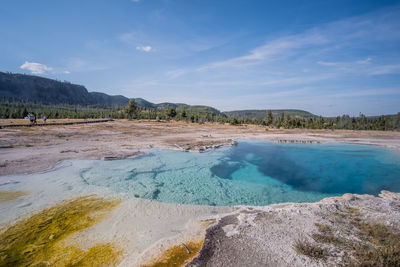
(326, 57)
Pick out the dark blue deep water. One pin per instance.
(332, 169)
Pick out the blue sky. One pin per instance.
(327, 57)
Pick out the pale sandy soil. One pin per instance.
(40, 120)
(266, 236)
(144, 228)
(37, 148)
(245, 236)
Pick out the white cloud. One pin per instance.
(146, 48)
(66, 71)
(35, 68)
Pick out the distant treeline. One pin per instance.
(17, 110)
(382, 123)
(198, 115)
(20, 109)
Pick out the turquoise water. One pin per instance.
(251, 173)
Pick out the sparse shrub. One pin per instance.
(310, 250)
(374, 244)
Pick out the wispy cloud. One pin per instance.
(324, 63)
(36, 68)
(127, 37)
(146, 48)
(87, 64)
(386, 69)
(367, 92)
(274, 50)
(325, 41)
(337, 60)
(176, 73)
(284, 46)
(363, 67)
(135, 39)
(296, 59)
(364, 61)
(361, 61)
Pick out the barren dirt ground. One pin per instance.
(31, 149)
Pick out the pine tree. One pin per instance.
(131, 109)
(170, 112)
(269, 118)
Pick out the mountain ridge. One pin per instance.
(30, 88)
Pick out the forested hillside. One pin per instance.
(29, 88)
(259, 114)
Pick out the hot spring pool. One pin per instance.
(251, 173)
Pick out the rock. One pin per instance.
(122, 155)
(390, 195)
